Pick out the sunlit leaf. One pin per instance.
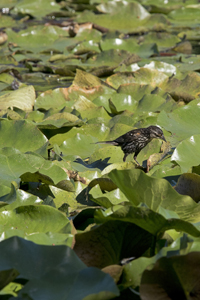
(157, 192)
(23, 98)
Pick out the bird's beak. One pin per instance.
(163, 138)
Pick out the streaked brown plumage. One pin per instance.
(135, 140)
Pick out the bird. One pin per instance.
(135, 140)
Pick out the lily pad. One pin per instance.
(188, 184)
(177, 122)
(21, 134)
(142, 76)
(115, 241)
(177, 284)
(157, 192)
(66, 259)
(23, 98)
(186, 154)
(35, 8)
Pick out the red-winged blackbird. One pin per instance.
(135, 140)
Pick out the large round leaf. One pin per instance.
(26, 218)
(23, 98)
(53, 271)
(21, 135)
(109, 243)
(153, 222)
(187, 153)
(36, 38)
(155, 193)
(183, 122)
(51, 99)
(81, 145)
(32, 167)
(130, 16)
(36, 8)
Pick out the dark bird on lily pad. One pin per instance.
(135, 140)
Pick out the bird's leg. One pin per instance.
(125, 156)
(135, 156)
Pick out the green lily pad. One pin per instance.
(142, 76)
(21, 135)
(17, 197)
(106, 199)
(64, 197)
(116, 241)
(186, 153)
(136, 90)
(36, 8)
(51, 99)
(168, 69)
(178, 282)
(122, 102)
(99, 131)
(32, 167)
(86, 47)
(157, 192)
(162, 39)
(41, 238)
(185, 14)
(112, 58)
(61, 256)
(186, 89)
(81, 145)
(130, 16)
(36, 39)
(60, 120)
(153, 222)
(23, 98)
(183, 122)
(166, 169)
(188, 184)
(26, 218)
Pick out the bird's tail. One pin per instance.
(108, 142)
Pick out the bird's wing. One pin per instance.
(129, 136)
